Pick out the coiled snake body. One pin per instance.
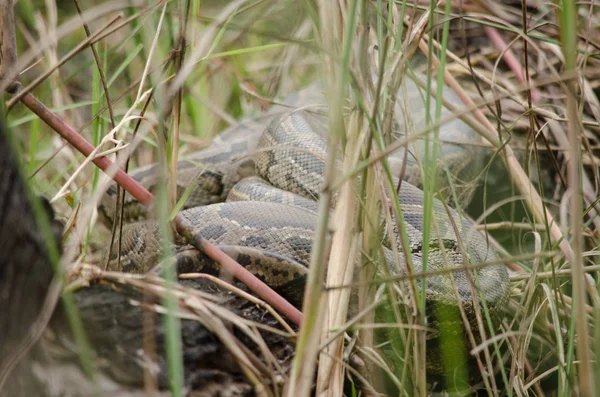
(269, 229)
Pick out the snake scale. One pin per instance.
(269, 172)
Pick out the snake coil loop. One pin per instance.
(268, 224)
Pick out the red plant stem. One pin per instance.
(145, 197)
(511, 60)
(238, 271)
(84, 147)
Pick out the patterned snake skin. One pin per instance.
(268, 220)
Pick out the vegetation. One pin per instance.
(164, 78)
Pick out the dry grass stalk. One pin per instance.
(332, 33)
(340, 269)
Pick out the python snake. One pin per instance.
(271, 177)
